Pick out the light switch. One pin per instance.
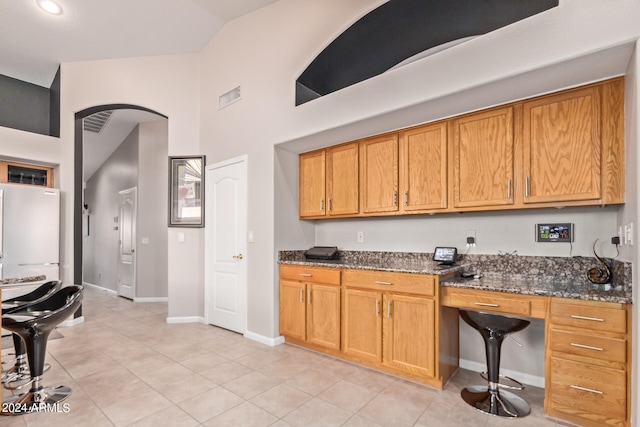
(145, 240)
(250, 236)
(181, 237)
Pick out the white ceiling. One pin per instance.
(33, 44)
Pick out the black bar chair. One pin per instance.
(33, 323)
(20, 370)
(489, 399)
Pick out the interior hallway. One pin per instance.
(128, 367)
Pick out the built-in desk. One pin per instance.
(587, 340)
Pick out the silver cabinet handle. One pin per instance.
(300, 294)
(383, 283)
(526, 186)
(590, 390)
(322, 204)
(509, 188)
(388, 309)
(486, 304)
(308, 296)
(377, 308)
(593, 319)
(406, 197)
(306, 274)
(395, 198)
(329, 204)
(588, 347)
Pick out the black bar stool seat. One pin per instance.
(20, 370)
(489, 399)
(33, 323)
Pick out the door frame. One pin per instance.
(208, 269)
(134, 255)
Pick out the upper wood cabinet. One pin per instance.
(379, 174)
(564, 146)
(423, 167)
(342, 180)
(26, 174)
(311, 188)
(482, 159)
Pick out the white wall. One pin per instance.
(101, 248)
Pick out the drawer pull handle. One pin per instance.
(590, 390)
(486, 304)
(383, 283)
(377, 308)
(588, 347)
(301, 295)
(594, 319)
(306, 274)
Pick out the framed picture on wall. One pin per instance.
(186, 191)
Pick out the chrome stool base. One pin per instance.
(499, 403)
(44, 399)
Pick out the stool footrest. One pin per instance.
(505, 382)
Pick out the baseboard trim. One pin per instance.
(151, 299)
(532, 380)
(71, 322)
(271, 342)
(186, 319)
(100, 288)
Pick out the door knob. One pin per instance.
(239, 256)
(133, 250)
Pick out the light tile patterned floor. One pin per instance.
(128, 367)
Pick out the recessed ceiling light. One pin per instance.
(50, 6)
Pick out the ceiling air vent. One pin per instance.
(229, 97)
(95, 122)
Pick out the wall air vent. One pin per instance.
(227, 98)
(95, 122)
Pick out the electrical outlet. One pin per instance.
(630, 234)
(360, 237)
(471, 238)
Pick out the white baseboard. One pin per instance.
(71, 322)
(532, 380)
(272, 342)
(186, 319)
(151, 299)
(100, 288)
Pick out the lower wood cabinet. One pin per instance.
(362, 324)
(588, 363)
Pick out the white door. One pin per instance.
(127, 246)
(225, 251)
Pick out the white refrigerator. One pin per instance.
(29, 231)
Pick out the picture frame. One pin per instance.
(186, 191)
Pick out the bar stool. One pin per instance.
(33, 323)
(489, 399)
(20, 369)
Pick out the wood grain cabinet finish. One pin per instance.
(588, 363)
(26, 174)
(343, 180)
(482, 155)
(379, 174)
(362, 325)
(311, 184)
(423, 168)
(310, 305)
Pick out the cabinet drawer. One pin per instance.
(588, 391)
(310, 274)
(601, 348)
(589, 316)
(421, 284)
(489, 302)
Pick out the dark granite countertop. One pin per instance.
(563, 277)
(526, 284)
(21, 280)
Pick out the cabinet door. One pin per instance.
(292, 309)
(482, 154)
(362, 324)
(423, 167)
(561, 142)
(342, 180)
(379, 174)
(311, 187)
(410, 333)
(323, 315)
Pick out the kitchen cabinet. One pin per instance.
(310, 305)
(328, 182)
(482, 159)
(379, 174)
(342, 180)
(423, 167)
(26, 174)
(311, 184)
(397, 306)
(588, 363)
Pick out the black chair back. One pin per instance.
(41, 293)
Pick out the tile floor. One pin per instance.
(128, 367)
